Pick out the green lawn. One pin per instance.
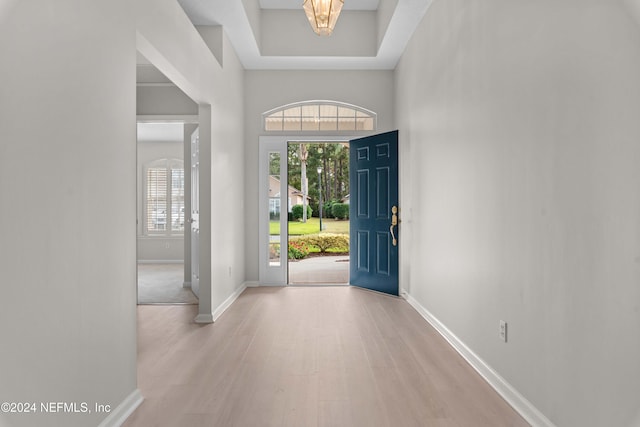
(312, 226)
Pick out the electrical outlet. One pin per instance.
(503, 330)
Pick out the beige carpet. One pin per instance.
(162, 284)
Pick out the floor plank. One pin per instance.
(307, 356)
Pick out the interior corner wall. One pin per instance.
(520, 145)
(254, 15)
(166, 37)
(265, 90)
(385, 13)
(67, 183)
(164, 100)
(228, 176)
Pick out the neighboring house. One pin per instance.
(345, 199)
(295, 196)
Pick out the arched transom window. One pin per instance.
(319, 116)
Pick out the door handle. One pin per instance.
(394, 222)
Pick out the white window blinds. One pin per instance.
(164, 200)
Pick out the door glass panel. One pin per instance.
(274, 209)
(177, 199)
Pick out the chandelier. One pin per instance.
(323, 14)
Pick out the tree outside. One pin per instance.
(332, 162)
(332, 159)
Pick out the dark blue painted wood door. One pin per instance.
(373, 171)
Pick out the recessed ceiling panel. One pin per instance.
(261, 46)
(288, 33)
(297, 4)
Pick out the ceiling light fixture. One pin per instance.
(323, 14)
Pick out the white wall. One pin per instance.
(166, 37)
(253, 11)
(228, 182)
(520, 144)
(265, 90)
(163, 100)
(67, 304)
(67, 185)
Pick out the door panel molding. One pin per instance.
(374, 180)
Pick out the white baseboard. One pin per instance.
(529, 412)
(210, 318)
(160, 261)
(121, 412)
(227, 303)
(252, 284)
(204, 318)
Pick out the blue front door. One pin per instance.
(373, 171)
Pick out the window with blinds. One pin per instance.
(164, 199)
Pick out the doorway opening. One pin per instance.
(373, 210)
(164, 188)
(317, 212)
(162, 214)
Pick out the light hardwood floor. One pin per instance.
(300, 356)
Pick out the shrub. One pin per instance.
(297, 249)
(274, 250)
(326, 241)
(297, 210)
(328, 208)
(340, 211)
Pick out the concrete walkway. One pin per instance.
(329, 269)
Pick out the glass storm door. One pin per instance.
(373, 165)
